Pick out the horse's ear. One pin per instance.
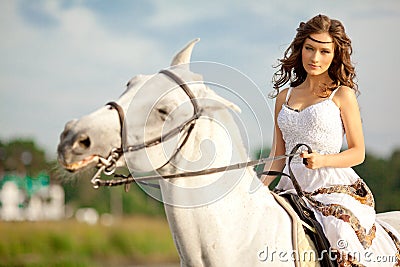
(183, 57)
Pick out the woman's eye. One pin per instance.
(309, 48)
(326, 52)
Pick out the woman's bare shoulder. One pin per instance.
(345, 95)
(282, 95)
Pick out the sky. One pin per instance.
(63, 59)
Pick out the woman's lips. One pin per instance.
(312, 66)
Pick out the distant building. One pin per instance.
(34, 199)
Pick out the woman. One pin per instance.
(318, 108)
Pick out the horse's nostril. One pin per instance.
(84, 141)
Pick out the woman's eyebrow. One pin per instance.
(320, 48)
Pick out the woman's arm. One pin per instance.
(346, 100)
(278, 145)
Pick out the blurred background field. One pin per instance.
(75, 225)
(129, 241)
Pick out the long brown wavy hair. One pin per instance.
(341, 70)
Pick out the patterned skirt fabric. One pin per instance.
(345, 207)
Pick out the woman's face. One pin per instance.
(317, 53)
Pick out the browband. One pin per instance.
(321, 42)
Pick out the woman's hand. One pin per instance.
(313, 160)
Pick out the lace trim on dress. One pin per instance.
(286, 104)
(318, 125)
(358, 191)
(344, 214)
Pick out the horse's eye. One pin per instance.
(163, 111)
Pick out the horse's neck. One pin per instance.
(214, 142)
(222, 210)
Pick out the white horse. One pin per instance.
(216, 219)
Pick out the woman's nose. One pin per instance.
(315, 57)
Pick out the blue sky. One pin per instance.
(63, 59)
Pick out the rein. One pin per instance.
(108, 165)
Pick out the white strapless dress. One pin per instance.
(340, 199)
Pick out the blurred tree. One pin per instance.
(393, 196)
(375, 173)
(395, 168)
(22, 156)
(264, 153)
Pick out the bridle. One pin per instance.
(188, 123)
(108, 165)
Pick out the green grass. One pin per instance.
(129, 241)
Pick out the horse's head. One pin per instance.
(153, 106)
